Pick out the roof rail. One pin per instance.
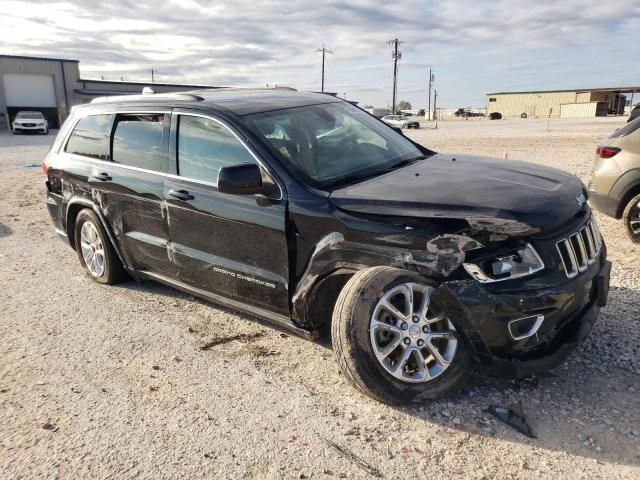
(150, 96)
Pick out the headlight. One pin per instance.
(520, 263)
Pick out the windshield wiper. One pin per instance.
(404, 162)
(363, 175)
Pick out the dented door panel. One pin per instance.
(133, 205)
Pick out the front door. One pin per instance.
(231, 245)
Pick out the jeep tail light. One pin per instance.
(607, 152)
(45, 167)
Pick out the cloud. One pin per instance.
(274, 41)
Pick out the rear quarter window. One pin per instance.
(90, 137)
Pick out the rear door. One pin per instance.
(129, 188)
(231, 245)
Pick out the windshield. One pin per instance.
(30, 115)
(332, 143)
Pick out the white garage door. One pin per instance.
(29, 90)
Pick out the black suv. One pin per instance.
(305, 210)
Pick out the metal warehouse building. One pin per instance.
(591, 102)
(53, 85)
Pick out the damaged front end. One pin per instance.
(504, 283)
(423, 246)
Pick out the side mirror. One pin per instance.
(398, 130)
(243, 178)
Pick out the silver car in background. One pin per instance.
(26, 121)
(400, 121)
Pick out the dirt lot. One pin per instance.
(112, 382)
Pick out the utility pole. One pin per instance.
(396, 56)
(324, 51)
(152, 79)
(435, 100)
(431, 79)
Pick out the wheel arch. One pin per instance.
(334, 257)
(625, 188)
(322, 296)
(74, 207)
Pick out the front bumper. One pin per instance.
(29, 129)
(569, 310)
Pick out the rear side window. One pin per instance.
(137, 141)
(90, 137)
(205, 146)
(630, 127)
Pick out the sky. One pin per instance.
(473, 47)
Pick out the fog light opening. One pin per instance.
(526, 327)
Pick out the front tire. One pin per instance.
(97, 256)
(631, 218)
(393, 339)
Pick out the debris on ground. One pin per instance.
(513, 418)
(371, 470)
(243, 337)
(50, 426)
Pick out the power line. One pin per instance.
(396, 56)
(324, 51)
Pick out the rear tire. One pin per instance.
(97, 256)
(396, 378)
(631, 218)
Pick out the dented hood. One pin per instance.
(478, 189)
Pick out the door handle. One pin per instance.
(103, 177)
(181, 195)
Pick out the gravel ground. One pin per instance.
(113, 382)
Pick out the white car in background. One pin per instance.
(400, 121)
(30, 122)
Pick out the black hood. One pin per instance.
(476, 189)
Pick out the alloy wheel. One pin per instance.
(411, 336)
(92, 249)
(634, 220)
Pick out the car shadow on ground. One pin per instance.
(588, 406)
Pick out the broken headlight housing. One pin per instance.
(515, 264)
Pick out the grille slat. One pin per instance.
(580, 250)
(588, 241)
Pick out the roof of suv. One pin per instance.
(236, 100)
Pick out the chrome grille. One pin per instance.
(581, 249)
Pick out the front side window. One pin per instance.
(90, 137)
(205, 146)
(333, 143)
(137, 141)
